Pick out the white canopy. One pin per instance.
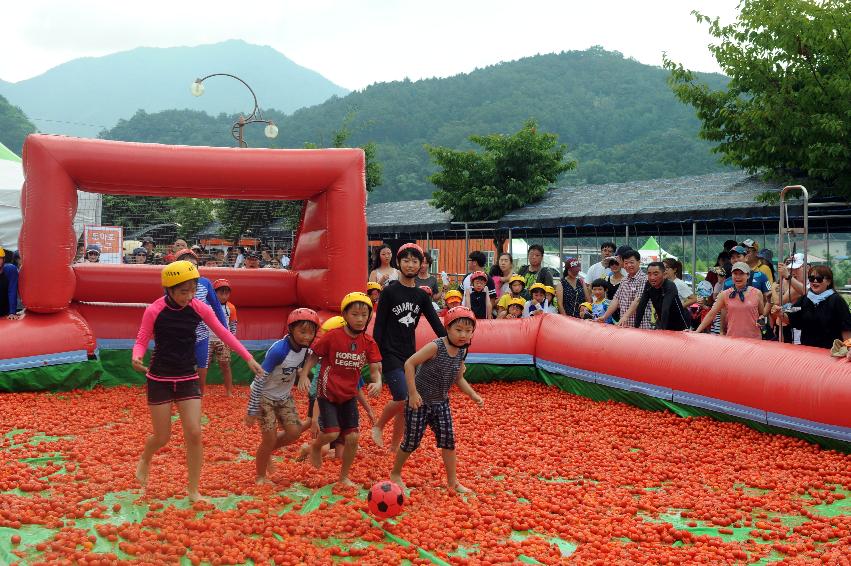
(11, 183)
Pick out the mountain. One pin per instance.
(14, 126)
(87, 95)
(618, 117)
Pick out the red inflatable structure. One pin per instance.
(73, 308)
(66, 310)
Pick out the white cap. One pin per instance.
(797, 261)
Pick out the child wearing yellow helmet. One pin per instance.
(516, 284)
(172, 376)
(343, 351)
(515, 308)
(373, 289)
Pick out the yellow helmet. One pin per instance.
(2, 252)
(373, 286)
(333, 322)
(177, 272)
(355, 297)
(517, 278)
(516, 301)
(540, 286)
(549, 289)
(453, 293)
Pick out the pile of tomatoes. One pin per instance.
(555, 476)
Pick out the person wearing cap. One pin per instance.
(476, 263)
(205, 293)
(744, 304)
(149, 245)
(752, 259)
(8, 287)
(662, 293)
(598, 270)
(756, 279)
(218, 350)
(252, 260)
(93, 253)
(516, 284)
(822, 314)
(629, 289)
(766, 258)
(139, 256)
(571, 289)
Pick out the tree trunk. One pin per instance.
(499, 244)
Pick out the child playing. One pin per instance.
(218, 350)
(599, 302)
(515, 308)
(516, 284)
(452, 299)
(430, 374)
(535, 305)
(373, 289)
(476, 298)
(271, 402)
(172, 377)
(344, 351)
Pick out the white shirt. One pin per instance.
(596, 271)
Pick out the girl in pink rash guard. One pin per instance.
(172, 377)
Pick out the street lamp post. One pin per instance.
(256, 116)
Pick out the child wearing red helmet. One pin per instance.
(476, 298)
(271, 402)
(218, 349)
(430, 373)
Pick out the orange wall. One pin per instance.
(452, 258)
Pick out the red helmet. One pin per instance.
(427, 289)
(418, 251)
(301, 314)
(455, 313)
(183, 252)
(478, 275)
(221, 283)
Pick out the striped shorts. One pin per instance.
(438, 417)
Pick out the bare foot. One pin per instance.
(376, 436)
(270, 467)
(264, 481)
(228, 393)
(458, 488)
(316, 456)
(195, 497)
(397, 479)
(347, 483)
(142, 470)
(303, 452)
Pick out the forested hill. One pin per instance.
(14, 126)
(618, 117)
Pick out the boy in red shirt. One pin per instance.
(344, 351)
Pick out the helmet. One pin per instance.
(516, 301)
(540, 286)
(518, 279)
(418, 251)
(301, 314)
(2, 252)
(478, 275)
(333, 322)
(427, 289)
(550, 290)
(140, 251)
(185, 251)
(373, 286)
(218, 283)
(355, 297)
(177, 272)
(93, 248)
(454, 293)
(456, 313)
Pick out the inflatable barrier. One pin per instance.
(78, 312)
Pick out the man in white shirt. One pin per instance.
(598, 270)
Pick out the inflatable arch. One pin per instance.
(72, 306)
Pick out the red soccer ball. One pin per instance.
(385, 499)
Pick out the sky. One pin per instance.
(356, 43)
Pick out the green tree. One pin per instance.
(14, 126)
(786, 111)
(511, 171)
(340, 139)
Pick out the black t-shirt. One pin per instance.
(823, 323)
(670, 314)
(399, 311)
(477, 303)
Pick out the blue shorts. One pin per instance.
(202, 352)
(396, 383)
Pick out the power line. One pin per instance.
(101, 126)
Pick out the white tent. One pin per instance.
(11, 183)
(651, 251)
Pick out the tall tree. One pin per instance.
(510, 172)
(14, 126)
(786, 111)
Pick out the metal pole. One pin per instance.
(428, 251)
(693, 256)
(627, 235)
(560, 243)
(510, 246)
(466, 243)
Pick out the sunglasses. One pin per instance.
(816, 278)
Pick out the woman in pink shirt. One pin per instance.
(172, 376)
(743, 304)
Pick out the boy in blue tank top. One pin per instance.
(430, 373)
